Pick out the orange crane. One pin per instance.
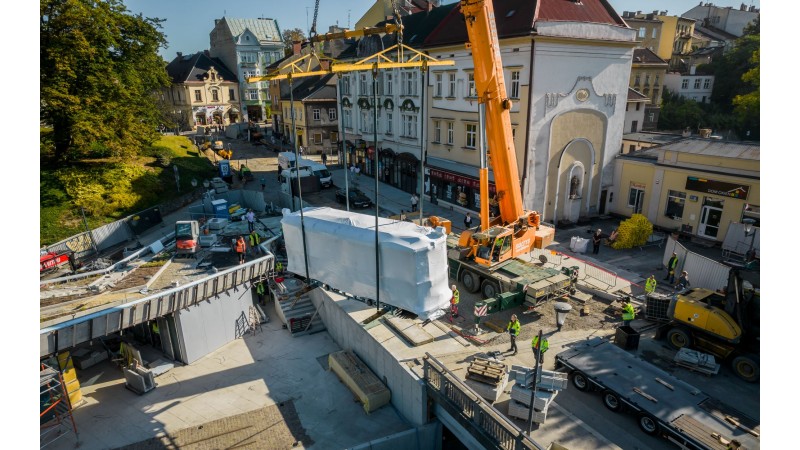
(516, 231)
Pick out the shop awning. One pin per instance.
(456, 167)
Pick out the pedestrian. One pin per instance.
(513, 331)
(597, 238)
(628, 313)
(683, 281)
(263, 184)
(535, 347)
(358, 171)
(240, 248)
(414, 200)
(454, 302)
(671, 265)
(650, 285)
(352, 169)
(251, 220)
(468, 221)
(324, 159)
(255, 240)
(386, 174)
(402, 215)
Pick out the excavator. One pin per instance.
(515, 231)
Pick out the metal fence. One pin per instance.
(703, 272)
(495, 430)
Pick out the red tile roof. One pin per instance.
(593, 11)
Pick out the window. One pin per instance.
(315, 114)
(707, 83)
(247, 57)
(389, 118)
(215, 95)
(197, 96)
(646, 91)
(472, 135)
(346, 86)
(409, 125)
(657, 79)
(675, 203)
(697, 83)
(685, 83)
(380, 83)
(655, 31)
(647, 79)
(514, 84)
(637, 79)
(437, 85)
(347, 119)
(409, 83)
(651, 117)
(635, 196)
(232, 94)
(332, 114)
(655, 96)
(252, 94)
(450, 133)
(451, 84)
(366, 122)
(388, 83)
(317, 138)
(362, 84)
(471, 86)
(642, 32)
(638, 105)
(437, 131)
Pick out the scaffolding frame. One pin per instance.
(55, 410)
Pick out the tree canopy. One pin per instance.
(100, 71)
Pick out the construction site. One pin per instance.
(274, 317)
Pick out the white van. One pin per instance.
(286, 160)
(320, 170)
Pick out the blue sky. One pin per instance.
(189, 23)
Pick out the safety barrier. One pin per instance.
(83, 329)
(600, 274)
(493, 429)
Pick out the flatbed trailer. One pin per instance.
(532, 283)
(663, 404)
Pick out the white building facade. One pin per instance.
(694, 87)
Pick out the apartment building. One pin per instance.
(203, 90)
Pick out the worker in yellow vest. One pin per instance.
(255, 240)
(628, 314)
(650, 285)
(156, 336)
(513, 331)
(535, 347)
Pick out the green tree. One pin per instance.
(99, 70)
(747, 107)
(293, 35)
(678, 113)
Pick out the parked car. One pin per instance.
(357, 198)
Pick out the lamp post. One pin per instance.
(750, 231)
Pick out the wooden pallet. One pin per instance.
(486, 371)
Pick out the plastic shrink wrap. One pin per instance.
(341, 253)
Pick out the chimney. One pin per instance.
(180, 54)
(296, 46)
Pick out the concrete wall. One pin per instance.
(408, 391)
(426, 437)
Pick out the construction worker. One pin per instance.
(513, 331)
(240, 248)
(260, 289)
(279, 267)
(671, 265)
(650, 285)
(535, 347)
(255, 239)
(628, 314)
(454, 302)
(155, 334)
(683, 281)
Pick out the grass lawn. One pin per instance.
(110, 189)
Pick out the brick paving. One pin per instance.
(272, 427)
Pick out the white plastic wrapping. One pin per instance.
(341, 249)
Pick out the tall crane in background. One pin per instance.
(515, 231)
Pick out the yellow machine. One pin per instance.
(725, 325)
(515, 231)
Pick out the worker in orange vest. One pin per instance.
(240, 248)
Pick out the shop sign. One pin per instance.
(459, 179)
(720, 188)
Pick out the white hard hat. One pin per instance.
(453, 287)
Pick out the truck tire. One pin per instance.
(612, 401)
(648, 424)
(746, 367)
(471, 281)
(580, 381)
(489, 289)
(679, 338)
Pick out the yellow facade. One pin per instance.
(676, 36)
(704, 202)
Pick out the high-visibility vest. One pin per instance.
(255, 239)
(279, 266)
(455, 298)
(672, 263)
(535, 343)
(240, 245)
(627, 312)
(260, 289)
(513, 327)
(154, 327)
(650, 285)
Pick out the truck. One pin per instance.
(663, 404)
(725, 324)
(486, 258)
(187, 233)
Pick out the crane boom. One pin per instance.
(491, 89)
